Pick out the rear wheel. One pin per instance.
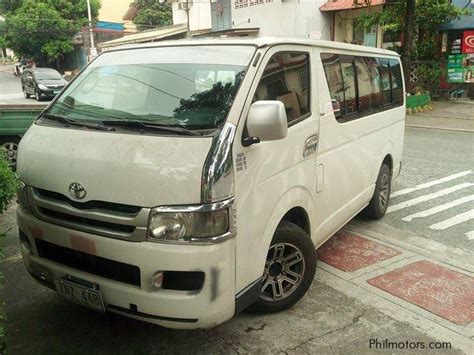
(379, 203)
(289, 269)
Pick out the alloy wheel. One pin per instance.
(384, 191)
(284, 270)
(11, 151)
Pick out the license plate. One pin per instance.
(82, 295)
(55, 92)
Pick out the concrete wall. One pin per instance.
(282, 18)
(199, 15)
(114, 10)
(344, 31)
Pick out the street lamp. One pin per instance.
(91, 34)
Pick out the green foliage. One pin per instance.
(429, 15)
(152, 14)
(428, 75)
(8, 183)
(43, 29)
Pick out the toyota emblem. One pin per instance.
(77, 191)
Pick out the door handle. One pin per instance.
(310, 145)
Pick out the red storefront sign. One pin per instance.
(468, 42)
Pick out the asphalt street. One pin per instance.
(10, 89)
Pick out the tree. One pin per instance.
(417, 20)
(152, 14)
(43, 30)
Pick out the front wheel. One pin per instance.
(379, 203)
(289, 269)
(11, 151)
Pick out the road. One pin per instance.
(430, 220)
(10, 88)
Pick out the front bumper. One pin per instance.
(49, 92)
(214, 303)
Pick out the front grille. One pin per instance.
(96, 265)
(86, 221)
(89, 205)
(108, 219)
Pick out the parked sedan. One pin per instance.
(41, 83)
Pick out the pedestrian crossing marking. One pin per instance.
(440, 208)
(428, 197)
(460, 218)
(470, 235)
(430, 183)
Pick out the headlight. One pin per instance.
(42, 87)
(201, 224)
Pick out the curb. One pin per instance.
(441, 128)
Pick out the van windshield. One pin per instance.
(186, 86)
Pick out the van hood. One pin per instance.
(131, 169)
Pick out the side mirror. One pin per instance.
(266, 121)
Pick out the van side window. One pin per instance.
(361, 86)
(350, 87)
(286, 79)
(376, 80)
(384, 69)
(397, 82)
(332, 69)
(364, 85)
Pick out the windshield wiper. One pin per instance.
(151, 126)
(70, 122)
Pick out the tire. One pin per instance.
(11, 152)
(379, 203)
(292, 245)
(27, 96)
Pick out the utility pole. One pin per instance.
(188, 27)
(91, 34)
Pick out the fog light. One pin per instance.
(157, 280)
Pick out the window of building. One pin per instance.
(286, 79)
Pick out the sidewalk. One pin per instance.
(447, 115)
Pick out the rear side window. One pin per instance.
(364, 85)
(286, 79)
(397, 82)
(360, 86)
(350, 87)
(384, 70)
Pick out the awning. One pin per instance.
(147, 36)
(338, 5)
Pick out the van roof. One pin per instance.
(259, 42)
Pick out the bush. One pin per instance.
(8, 183)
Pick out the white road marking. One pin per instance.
(460, 218)
(428, 197)
(439, 208)
(470, 235)
(430, 183)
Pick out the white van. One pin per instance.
(182, 182)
